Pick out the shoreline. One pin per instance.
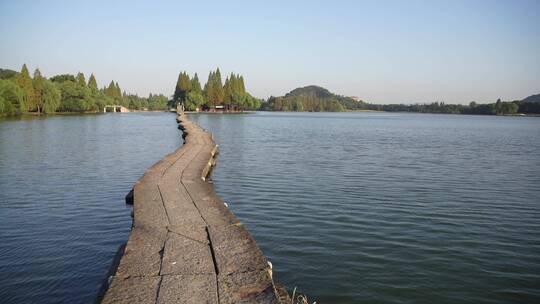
(34, 114)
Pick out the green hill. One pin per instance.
(7, 73)
(312, 99)
(532, 98)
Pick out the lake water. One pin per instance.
(349, 207)
(388, 208)
(63, 180)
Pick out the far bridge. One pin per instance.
(115, 108)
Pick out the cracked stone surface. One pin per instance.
(200, 288)
(133, 290)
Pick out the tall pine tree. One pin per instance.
(196, 85)
(218, 85)
(241, 84)
(81, 80)
(38, 83)
(227, 91)
(25, 83)
(118, 93)
(209, 89)
(183, 86)
(177, 93)
(92, 83)
(111, 90)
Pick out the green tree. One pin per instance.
(227, 92)
(194, 101)
(157, 102)
(213, 89)
(177, 94)
(62, 78)
(209, 90)
(75, 98)
(50, 97)
(111, 90)
(196, 85)
(117, 92)
(81, 80)
(12, 100)
(38, 82)
(244, 101)
(25, 83)
(92, 83)
(218, 87)
(498, 107)
(241, 84)
(298, 106)
(183, 86)
(509, 108)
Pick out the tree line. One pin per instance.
(21, 93)
(497, 108)
(318, 99)
(231, 95)
(302, 104)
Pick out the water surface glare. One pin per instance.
(388, 208)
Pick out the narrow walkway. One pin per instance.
(185, 245)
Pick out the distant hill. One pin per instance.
(7, 73)
(311, 91)
(532, 98)
(313, 99)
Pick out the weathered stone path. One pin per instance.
(185, 245)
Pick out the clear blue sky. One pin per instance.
(382, 51)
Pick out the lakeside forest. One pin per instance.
(229, 96)
(22, 93)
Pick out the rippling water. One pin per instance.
(349, 207)
(388, 208)
(62, 185)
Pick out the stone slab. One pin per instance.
(142, 255)
(142, 290)
(188, 289)
(186, 256)
(235, 250)
(191, 230)
(179, 206)
(247, 287)
(148, 207)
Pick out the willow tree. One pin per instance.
(50, 97)
(12, 100)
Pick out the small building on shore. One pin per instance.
(115, 108)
